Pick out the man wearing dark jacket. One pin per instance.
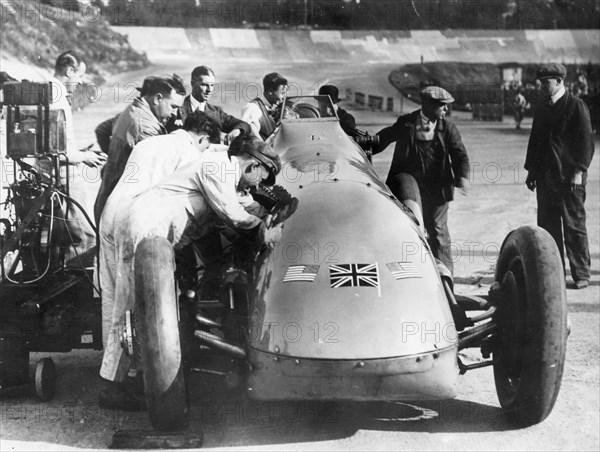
(560, 150)
(203, 87)
(347, 121)
(429, 161)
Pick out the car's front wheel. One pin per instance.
(157, 319)
(532, 320)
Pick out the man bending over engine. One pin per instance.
(152, 160)
(182, 208)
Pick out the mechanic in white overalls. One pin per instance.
(182, 208)
(151, 160)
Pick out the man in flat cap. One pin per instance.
(429, 161)
(560, 150)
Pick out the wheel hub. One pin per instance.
(510, 325)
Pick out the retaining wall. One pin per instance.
(402, 47)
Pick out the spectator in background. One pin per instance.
(519, 107)
(262, 112)
(559, 152)
(580, 87)
(144, 117)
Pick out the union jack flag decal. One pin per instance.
(352, 275)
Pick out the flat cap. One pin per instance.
(552, 70)
(265, 154)
(261, 151)
(436, 94)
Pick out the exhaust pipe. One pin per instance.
(220, 344)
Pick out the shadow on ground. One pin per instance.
(227, 417)
(233, 420)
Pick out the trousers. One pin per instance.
(435, 213)
(561, 212)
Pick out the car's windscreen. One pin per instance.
(307, 107)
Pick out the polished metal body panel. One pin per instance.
(345, 216)
(429, 376)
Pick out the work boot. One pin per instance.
(122, 396)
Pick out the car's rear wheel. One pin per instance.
(158, 327)
(532, 322)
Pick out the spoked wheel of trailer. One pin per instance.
(532, 322)
(157, 315)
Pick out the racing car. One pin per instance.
(351, 304)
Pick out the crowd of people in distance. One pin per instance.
(522, 98)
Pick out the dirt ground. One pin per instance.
(498, 202)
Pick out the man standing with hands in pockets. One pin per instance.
(560, 150)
